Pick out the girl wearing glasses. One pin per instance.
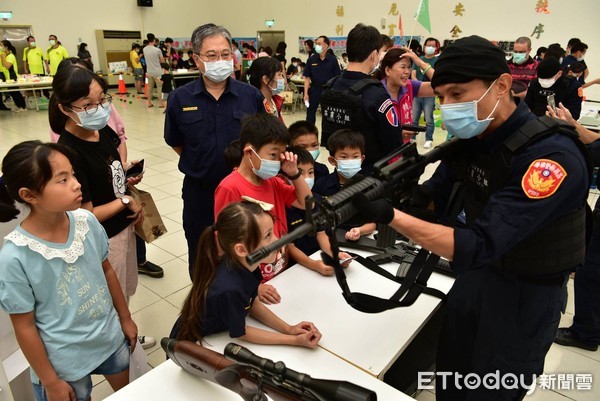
(79, 110)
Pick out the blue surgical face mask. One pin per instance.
(348, 168)
(310, 181)
(461, 119)
(96, 121)
(315, 153)
(318, 49)
(218, 71)
(268, 168)
(280, 86)
(519, 58)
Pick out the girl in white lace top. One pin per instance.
(69, 315)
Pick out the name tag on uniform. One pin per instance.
(190, 108)
(314, 65)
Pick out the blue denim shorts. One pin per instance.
(116, 363)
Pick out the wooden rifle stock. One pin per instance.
(243, 379)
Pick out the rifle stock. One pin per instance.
(278, 382)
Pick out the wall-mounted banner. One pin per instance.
(247, 39)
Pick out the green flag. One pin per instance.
(422, 16)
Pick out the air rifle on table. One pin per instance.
(254, 378)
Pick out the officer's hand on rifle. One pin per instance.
(378, 211)
(419, 203)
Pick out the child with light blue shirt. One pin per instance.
(64, 300)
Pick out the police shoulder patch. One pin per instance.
(384, 106)
(542, 178)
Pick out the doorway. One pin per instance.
(17, 35)
(270, 38)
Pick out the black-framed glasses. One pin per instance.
(214, 56)
(92, 108)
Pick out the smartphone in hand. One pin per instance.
(551, 102)
(135, 169)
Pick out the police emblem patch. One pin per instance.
(392, 117)
(542, 178)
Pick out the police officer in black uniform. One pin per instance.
(359, 102)
(512, 240)
(320, 68)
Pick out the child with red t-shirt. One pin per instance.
(263, 139)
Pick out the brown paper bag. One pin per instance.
(152, 227)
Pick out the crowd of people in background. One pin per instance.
(247, 175)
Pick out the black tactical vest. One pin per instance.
(558, 246)
(343, 109)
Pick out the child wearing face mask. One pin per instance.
(79, 110)
(263, 140)
(266, 75)
(308, 244)
(346, 154)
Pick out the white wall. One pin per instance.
(497, 20)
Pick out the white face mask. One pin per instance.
(546, 82)
(218, 71)
(430, 50)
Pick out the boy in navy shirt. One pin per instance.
(346, 154)
(305, 135)
(301, 248)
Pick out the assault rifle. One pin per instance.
(253, 377)
(393, 178)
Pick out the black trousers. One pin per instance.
(314, 98)
(496, 322)
(198, 213)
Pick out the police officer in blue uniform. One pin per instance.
(373, 115)
(202, 118)
(320, 68)
(520, 187)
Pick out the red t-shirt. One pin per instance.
(274, 191)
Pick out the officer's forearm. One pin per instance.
(435, 238)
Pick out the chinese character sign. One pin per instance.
(542, 7)
(393, 9)
(339, 11)
(455, 31)
(459, 10)
(538, 30)
(339, 29)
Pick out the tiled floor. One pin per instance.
(156, 304)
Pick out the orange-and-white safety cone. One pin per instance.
(122, 88)
(146, 87)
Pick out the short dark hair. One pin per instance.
(362, 40)
(554, 50)
(540, 50)
(345, 138)
(325, 39)
(233, 154)
(135, 46)
(576, 68)
(262, 66)
(304, 156)
(164, 65)
(390, 58)
(151, 37)
(386, 41)
(573, 41)
(579, 47)
(262, 129)
(169, 40)
(30, 37)
(302, 127)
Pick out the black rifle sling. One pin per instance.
(411, 286)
